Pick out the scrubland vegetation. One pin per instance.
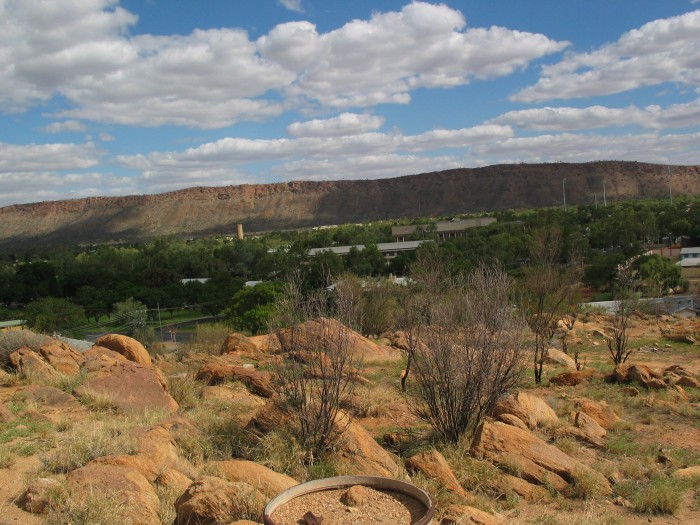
(354, 375)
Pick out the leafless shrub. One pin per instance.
(549, 290)
(625, 307)
(317, 366)
(470, 352)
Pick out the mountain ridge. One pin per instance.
(202, 211)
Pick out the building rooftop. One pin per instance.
(382, 247)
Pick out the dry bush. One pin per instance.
(317, 366)
(16, 339)
(208, 338)
(470, 353)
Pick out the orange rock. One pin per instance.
(128, 486)
(63, 358)
(600, 411)
(258, 382)
(30, 364)
(126, 346)
(214, 500)
(263, 479)
(433, 465)
(537, 461)
(466, 515)
(532, 410)
(236, 342)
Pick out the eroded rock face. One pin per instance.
(210, 500)
(466, 515)
(265, 480)
(126, 346)
(239, 343)
(600, 411)
(532, 410)
(128, 486)
(47, 396)
(359, 454)
(315, 331)
(433, 465)
(30, 364)
(556, 357)
(537, 461)
(62, 358)
(132, 387)
(218, 371)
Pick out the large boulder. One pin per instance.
(131, 387)
(585, 429)
(62, 357)
(126, 346)
(433, 465)
(466, 515)
(646, 377)
(157, 443)
(211, 501)
(532, 410)
(239, 343)
(315, 332)
(556, 357)
(47, 396)
(218, 371)
(357, 453)
(267, 481)
(129, 487)
(600, 411)
(32, 366)
(528, 491)
(535, 460)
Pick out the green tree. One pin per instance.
(252, 306)
(658, 274)
(130, 316)
(52, 314)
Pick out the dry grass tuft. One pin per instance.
(95, 509)
(185, 389)
(585, 485)
(80, 446)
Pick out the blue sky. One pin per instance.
(110, 97)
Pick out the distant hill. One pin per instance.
(217, 210)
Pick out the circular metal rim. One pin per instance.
(338, 482)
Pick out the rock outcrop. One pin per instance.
(536, 461)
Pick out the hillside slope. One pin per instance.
(201, 211)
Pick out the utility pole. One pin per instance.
(159, 321)
(563, 189)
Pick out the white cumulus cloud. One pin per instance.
(83, 51)
(343, 124)
(664, 50)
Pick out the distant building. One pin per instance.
(389, 250)
(690, 253)
(201, 280)
(690, 268)
(444, 230)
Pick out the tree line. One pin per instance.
(95, 278)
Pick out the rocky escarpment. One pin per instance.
(202, 211)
